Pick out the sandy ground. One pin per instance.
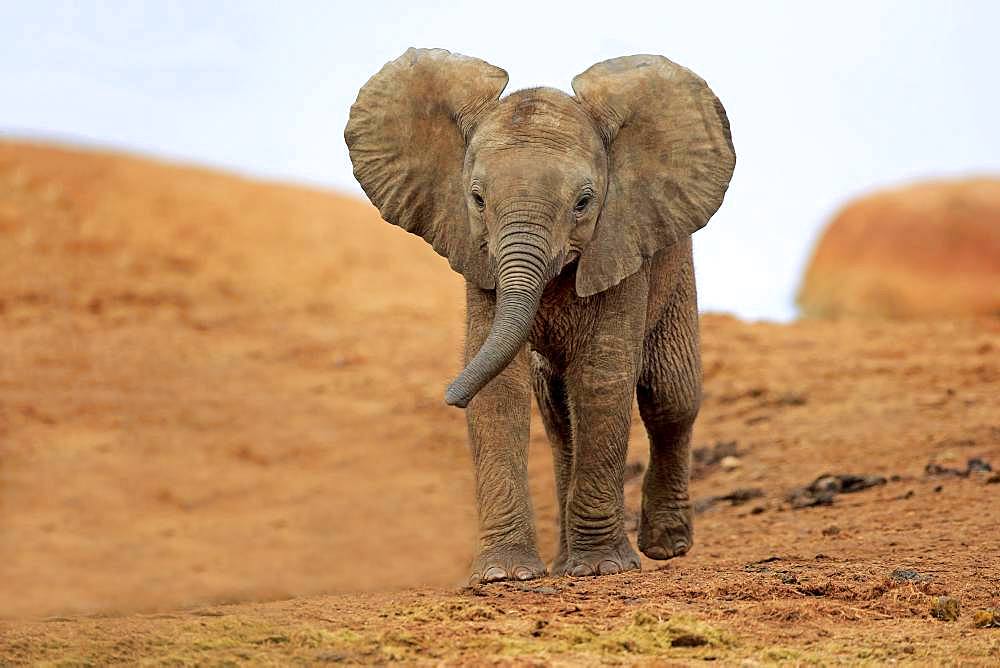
(222, 437)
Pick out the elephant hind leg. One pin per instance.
(669, 396)
(553, 404)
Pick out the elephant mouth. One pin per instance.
(572, 256)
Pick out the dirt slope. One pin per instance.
(217, 391)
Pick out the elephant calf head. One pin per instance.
(513, 190)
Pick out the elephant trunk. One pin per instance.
(523, 270)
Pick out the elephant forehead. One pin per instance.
(538, 117)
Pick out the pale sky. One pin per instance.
(826, 101)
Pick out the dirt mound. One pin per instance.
(931, 249)
(218, 390)
(200, 390)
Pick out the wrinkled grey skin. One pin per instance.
(570, 218)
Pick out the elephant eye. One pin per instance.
(582, 203)
(478, 199)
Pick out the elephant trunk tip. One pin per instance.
(456, 397)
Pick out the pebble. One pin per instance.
(730, 463)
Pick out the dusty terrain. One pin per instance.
(926, 249)
(222, 438)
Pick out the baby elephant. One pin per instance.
(570, 219)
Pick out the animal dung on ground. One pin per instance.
(985, 619)
(689, 640)
(974, 465)
(946, 608)
(822, 490)
(907, 575)
(737, 497)
(761, 565)
(706, 458)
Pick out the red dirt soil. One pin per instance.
(217, 392)
(929, 249)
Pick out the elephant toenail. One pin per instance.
(657, 552)
(523, 573)
(494, 573)
(609, 568)
(581, 570)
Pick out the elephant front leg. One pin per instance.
(602, 384)
(498, 418)
(595, 508)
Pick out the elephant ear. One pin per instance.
(407, 137)
(670, 160)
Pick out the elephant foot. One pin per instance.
(665, 529)
(617, 558)
(516, 562)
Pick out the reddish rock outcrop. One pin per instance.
(926, 250)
